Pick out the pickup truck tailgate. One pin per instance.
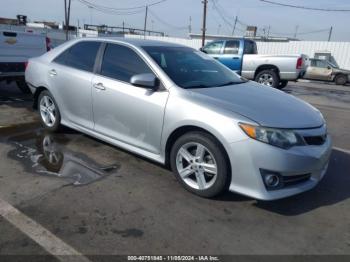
(20, 46)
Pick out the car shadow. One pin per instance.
(334, 188)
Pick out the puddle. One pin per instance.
(46, 154)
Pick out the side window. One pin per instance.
(121, 63)
(213, 48)
(313, 63)
(321, 64)
(231, 47)
(80, 56)
(250, 48)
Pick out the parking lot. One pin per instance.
(96, 199)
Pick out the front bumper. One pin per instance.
(249, 156)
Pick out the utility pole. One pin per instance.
(330, 34)
(67, 15)
(234, 25)
(190, 26)
(145, 25)
(296, 31)
(268, 32)
(204, 26)
(123, 27)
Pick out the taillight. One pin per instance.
(26, 65)
(48, 44)
(300, 63)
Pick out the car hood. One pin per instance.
(265, 105)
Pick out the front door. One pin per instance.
(130, 114)
(319, 70)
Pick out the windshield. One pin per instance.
(189, 68)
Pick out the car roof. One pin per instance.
(135, 41)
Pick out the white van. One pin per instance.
(15, 50)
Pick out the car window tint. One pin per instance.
(80, 56)
(250, 48)
(213, 47)
(231, 47)
(121, 63)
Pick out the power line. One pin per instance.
(118, 11)
(305, 7)
(166, 23)
(125, 8)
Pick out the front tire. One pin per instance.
(340, 79)
(268, 77)
(283, 84)
(200, 164)
(49, 113)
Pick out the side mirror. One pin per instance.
(145, 80)
(202, 50)
(329, 67)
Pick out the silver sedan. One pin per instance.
(177, 106)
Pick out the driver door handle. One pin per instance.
(99, 86)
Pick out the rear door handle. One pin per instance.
(235, 58)
(99, 86)
(53, 72)
(215, 57)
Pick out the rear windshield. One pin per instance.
(189, 68)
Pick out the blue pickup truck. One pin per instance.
(241, 56)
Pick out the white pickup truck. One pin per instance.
(15, 50)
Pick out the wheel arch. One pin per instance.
(266, 67)
(36, 95)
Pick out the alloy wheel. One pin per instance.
(196, 166)
(48, 111)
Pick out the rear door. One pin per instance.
(70, 76)
(130, 114)
(232, 55)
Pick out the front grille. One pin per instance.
(296, 179)
(315, 140)
(11, 67)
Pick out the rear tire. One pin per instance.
(340, 79)
(21, 84)
(200, 164)
(283, 84)
(49, 112)
(268, 77)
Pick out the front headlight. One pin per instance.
(282, 138)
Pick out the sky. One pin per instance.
(173, 16)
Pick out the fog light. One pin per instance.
(272, 180)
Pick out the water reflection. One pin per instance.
(47, 154)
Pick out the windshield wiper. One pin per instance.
(196, 86)
(231, 83)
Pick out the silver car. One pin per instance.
(180, 107)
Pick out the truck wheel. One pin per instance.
(200, 164)
(268, 77)
(340, 79)
(283, 84)
(21, 84)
